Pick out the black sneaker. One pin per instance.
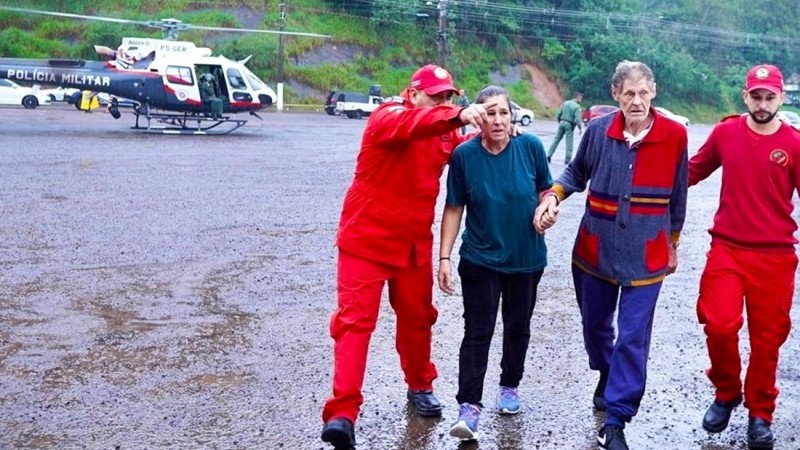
(425, 403)
(599, 399)
(612, 437)
(340, 433)
(719, 414)
(759, 435)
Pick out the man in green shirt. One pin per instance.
(569, 117)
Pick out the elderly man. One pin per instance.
(627, 243)
(385, 237)
(569, 117)
(752, 260)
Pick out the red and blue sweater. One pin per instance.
(636, 202)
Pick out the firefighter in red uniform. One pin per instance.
(752, 260)
(385, 236)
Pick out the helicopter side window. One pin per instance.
(236, 80)
(180, 75)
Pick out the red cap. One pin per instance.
(764, 76)
(433, 79)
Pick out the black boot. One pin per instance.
(599, 399)
(425, 403)
(759, 436)
(340, 433)
(719, 414)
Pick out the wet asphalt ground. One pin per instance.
(166, 292)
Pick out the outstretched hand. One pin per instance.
(476, 113)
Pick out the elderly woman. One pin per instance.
(499, 179)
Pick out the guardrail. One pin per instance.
(303, 108)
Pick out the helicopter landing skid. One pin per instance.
(187, 124)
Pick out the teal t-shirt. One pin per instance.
(500, 193)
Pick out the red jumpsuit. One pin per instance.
(385, 236)
(752, 260)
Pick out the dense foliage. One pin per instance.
(699, 49)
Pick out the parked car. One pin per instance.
(790, 117)
(330, 103)
(597, 111)
(683, 120)
(523, 116)
(59, 94)
(356, 106)
(13, 94)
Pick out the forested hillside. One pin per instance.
(699, 49)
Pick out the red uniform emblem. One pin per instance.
(779, 157)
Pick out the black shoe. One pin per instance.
(759, 436)
(425, 403)
(340, 433)
(719, 414)
(612, 437)
(599, 399)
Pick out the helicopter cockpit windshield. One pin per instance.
(255, 82)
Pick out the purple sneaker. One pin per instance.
(466, 427)
(508, 401)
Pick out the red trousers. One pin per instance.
(360, 284)
(763, 282)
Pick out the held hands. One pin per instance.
(475, 114)
(445, 277)
(546, 214)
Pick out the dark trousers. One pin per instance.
(626, 359)
(482, 289)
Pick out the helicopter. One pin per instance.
(176, 87)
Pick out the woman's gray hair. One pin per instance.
(493, 91)
(626, 69)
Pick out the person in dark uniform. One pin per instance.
(569, 117)
(209, 95)
(463, 102)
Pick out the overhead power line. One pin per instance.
(529, 17)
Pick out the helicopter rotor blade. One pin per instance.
(168, 25)
(252, 30)
(73, 16)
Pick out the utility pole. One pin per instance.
(281, 26)
(441, 36)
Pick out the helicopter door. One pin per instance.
(239, 89)
(180, 80)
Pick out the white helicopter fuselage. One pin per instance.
(158, 73)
